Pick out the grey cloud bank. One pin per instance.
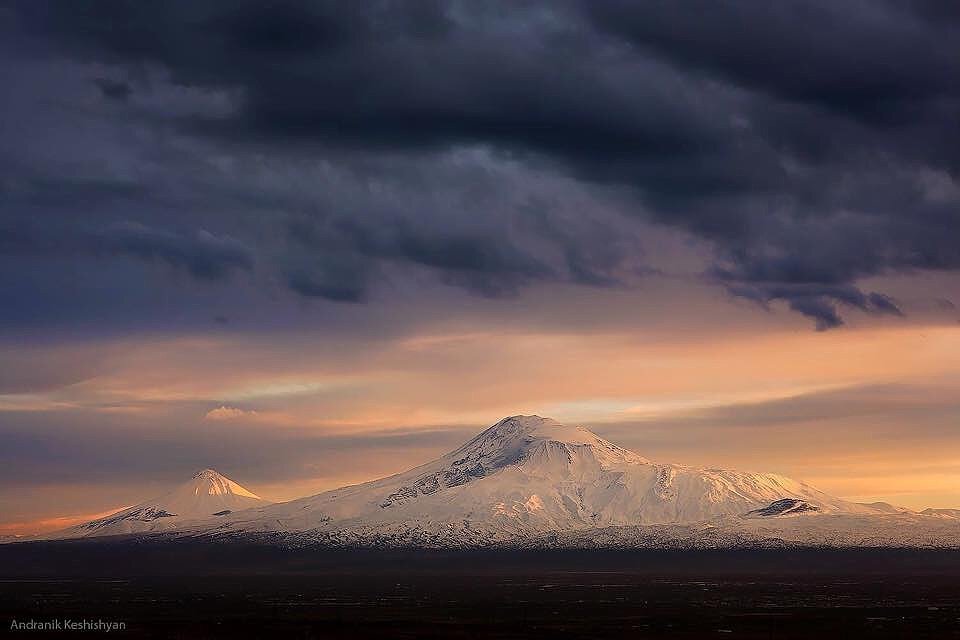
(332, 148)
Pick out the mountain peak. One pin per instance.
(533, 474)
(532, 420)
(208, 473)
(534, 424)
(212, 482)
(524, 475)
(508, 440)
(208, 493)
(538, 428)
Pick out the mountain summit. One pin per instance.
(516, 437)
(530, 480)
(208, 486)
(531, 475)
(207, 494)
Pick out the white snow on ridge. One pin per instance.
(216, 484)
(207, 494)
(531, 481)
(529, 475)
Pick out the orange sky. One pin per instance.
(866, 412)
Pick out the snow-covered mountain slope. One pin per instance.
(528, 475)
(945, 514)
(533, 482)
(840, 530)
(784, 507)
(207, 494)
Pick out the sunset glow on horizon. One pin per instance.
(864, 413)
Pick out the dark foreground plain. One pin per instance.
(202, 590)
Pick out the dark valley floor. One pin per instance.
(201, 591)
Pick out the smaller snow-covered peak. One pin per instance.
(213, 483)
(206, 494)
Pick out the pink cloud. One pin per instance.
(223, 412)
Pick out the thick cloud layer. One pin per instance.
(332, 148)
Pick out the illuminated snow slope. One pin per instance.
(533, 482)
(207, 494)
(528, 475)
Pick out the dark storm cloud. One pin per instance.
(818, 302)
(201, 253)
(340, 278)
(883, 304)
(878, 61)
(945, 304)
(858, 100)
(812, 144)
(488, 265)
(114, 89)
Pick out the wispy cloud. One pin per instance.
(224, 412)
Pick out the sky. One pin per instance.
(311, 244)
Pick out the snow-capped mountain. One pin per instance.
(529, 481)
(207, 494)
(528, 475)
